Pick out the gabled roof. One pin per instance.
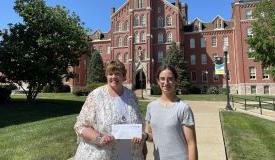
(98, 35)
(218, 17)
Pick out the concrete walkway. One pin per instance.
(208, 128)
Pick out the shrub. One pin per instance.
(213, 90)
(155, 90)
(49, 88)
(194, 90)
(81, 91)
(5, 93)
(93, 86)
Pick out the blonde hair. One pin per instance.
(115, 65)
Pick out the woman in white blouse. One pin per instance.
(105, 106)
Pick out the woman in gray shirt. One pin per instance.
(170, 121)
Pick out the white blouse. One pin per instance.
(100, 112)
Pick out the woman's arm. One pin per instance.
(190, 136)
(148, 131)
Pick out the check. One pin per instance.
(126, 131)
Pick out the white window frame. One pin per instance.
(193, 59)
(143, 36)
(192, 43)
(214, 41)
(203, 59)
(203, 43)
(169, 20)
(265, 75)
(252, 73)
(169, 37)
(143, 20)
(249, 32)
(249, 14)
(160, 56)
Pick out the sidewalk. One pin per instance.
(208, 128)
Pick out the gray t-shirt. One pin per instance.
(167, 123)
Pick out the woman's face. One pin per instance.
(166, 81)
(115, 79)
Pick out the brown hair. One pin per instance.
(171, 68)
(115, 65)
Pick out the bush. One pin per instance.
(56, 88)
(155, 90)
(81, 91)
(213, 90)
(93, 86)
(194, 90)
(5, 93)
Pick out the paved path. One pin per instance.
(208, 128)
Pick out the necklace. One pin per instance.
(121, 108)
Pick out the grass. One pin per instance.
(42, 130)
(248, 137)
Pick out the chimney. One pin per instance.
(177, 3)
(113, 10)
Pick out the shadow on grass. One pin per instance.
(19, 111)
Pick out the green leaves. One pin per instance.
(263, 40)
(96, 73)
(40, 49)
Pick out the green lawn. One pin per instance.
(248, 137)
(42, 130)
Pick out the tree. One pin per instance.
(263, 40)
(41, 48)
(96, 72)
(175, 57)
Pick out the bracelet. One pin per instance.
(98, 139)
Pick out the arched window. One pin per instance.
(126, 25)
(160, 37)
(160, 22)
(120, 42)
(117, 26)
(169, 37)
(136, 20)
(168, 20)
(143, 36)
(125, 43)
(139, 3)
(143, 20)
(136, 37)
(192, 43)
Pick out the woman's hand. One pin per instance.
(106, 138)
(136, 140)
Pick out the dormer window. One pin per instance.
(219, 24)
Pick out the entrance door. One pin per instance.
(140, 80)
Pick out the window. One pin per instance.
(202, 42)
(160, 56)
(136, 21)
(248, 14)
(126, 57)
(266, 89)
(169, 37)
(203, 59)
(108, 50)
(140, 3)
(192, 43)
(100, 50)
(136, 37)
(143, 36)
(193, 76)
(168, 20)
(219, 24)
(159, 9)
(253, 89)
(119, 42)
(214, 41)
(117, 26)
(265, 72)
(126, 26)
(160, 22)
(125, 41)
(143, 20)
(249, 32)
(216, 77)
(249, 53)
(205, 76)
(193, 59)
(160, 38)
(225, 41)
(252, 73)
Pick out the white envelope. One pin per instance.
(127, 131)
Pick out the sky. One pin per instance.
(96, 14)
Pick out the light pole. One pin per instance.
(141, 82)
(225, 51)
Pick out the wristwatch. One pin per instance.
(98, 139)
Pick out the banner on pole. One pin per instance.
(219, 69)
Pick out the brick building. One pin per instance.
(142, 31)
